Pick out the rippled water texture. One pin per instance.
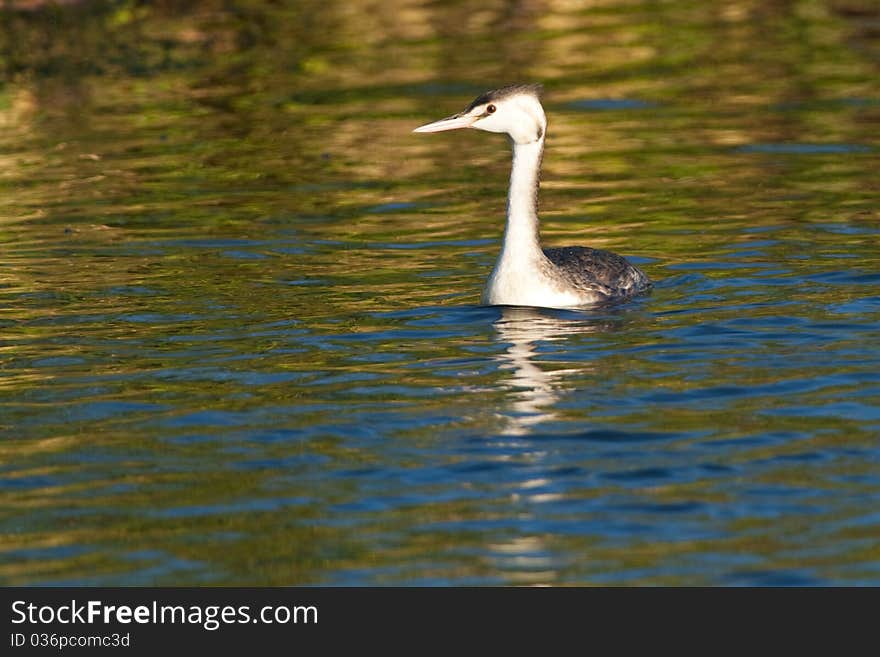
(240, 331)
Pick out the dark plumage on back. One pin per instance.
(602, 271)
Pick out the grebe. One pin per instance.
(525, 274)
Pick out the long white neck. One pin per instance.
(521, 240)
(523, 275)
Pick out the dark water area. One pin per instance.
(240, 331)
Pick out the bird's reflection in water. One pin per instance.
(534, 390)
(524, 560)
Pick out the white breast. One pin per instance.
(524, 284)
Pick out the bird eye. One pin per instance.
(490, 109)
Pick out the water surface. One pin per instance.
(240, 331)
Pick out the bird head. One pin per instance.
(515, 110)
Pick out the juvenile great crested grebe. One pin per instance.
(525, 274)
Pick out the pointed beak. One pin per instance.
(452, 123)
